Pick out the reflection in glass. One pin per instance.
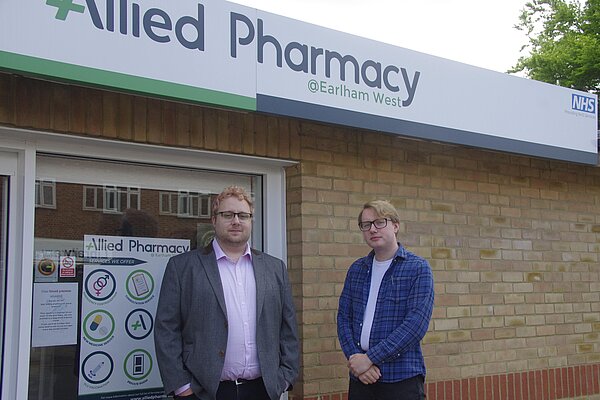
(68, 210)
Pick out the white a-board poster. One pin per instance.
(54, 314)
(121, 284)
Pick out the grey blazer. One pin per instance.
(190, 333)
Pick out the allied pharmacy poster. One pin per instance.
(121, 285)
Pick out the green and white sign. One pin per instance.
(164, 48)
(121, 284)
(225, 54)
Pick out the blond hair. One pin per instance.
(232, 191)
(383, 209)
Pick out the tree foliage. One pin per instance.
(564, 43)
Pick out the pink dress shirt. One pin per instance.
(239, 288)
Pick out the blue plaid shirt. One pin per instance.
(402, 314)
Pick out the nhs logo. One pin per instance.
(583, 103)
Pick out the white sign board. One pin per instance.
(156, 47)
(54, 314)
(225, 54)
(121, 284)
(329, 76)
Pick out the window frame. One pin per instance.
(40, 197)
(94, 189)
(194, 208)
(117, 192)
(29, 144)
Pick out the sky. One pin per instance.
(475, 32)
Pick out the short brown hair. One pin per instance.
(232, 191)
(383, 209)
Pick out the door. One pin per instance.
(8, 166)
(92, 314)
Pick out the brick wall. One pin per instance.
(513, 240)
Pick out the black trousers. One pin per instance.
(246, 390)
(408, 389)
(243, 390)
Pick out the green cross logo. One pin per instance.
(64, 7)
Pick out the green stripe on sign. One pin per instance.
(106, 79)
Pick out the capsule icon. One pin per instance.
(96, 322)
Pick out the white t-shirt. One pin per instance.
(378, 270)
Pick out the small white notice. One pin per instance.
(54, 314)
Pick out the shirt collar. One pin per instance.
(401, 252)
(219, 253)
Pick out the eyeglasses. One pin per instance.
(379, 224)
(229, 215)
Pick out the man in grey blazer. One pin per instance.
(225, 324)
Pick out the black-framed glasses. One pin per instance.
(229, 215)
(379, 224)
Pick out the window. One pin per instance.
(147, 202)
(45, 194)
(185, 204)
(111, 199)
(90, 198)
(53, 372)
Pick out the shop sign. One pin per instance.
(225, 54)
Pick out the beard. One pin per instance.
(235, 238)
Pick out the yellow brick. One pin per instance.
(459, 336)
(488, 254)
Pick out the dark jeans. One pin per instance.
(246, 390)
(408, 389)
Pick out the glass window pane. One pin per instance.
(149, 210)
(194, 207)
(175, 203)
(204, 206)
(134, 201)
(183, 204)
(4, 182)
(123, 200)
(89, 197)
(110, 199)
(99, 198)
(165, 203)
(48, 197)
(38, 192)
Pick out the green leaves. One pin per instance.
(564, 43)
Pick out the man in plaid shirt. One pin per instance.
(384, 312)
